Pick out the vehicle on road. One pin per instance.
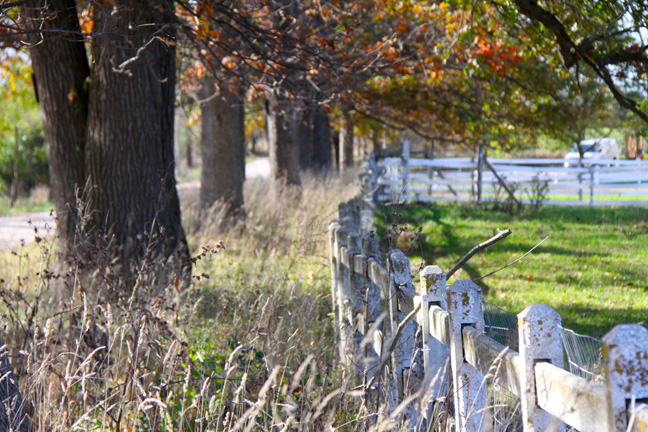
(593, 149)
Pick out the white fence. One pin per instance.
(401, 340)
(597, 183)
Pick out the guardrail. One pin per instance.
(403, 341)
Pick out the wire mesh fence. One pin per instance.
(583, 357)
(501, 325)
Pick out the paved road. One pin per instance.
(16, 229)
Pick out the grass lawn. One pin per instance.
(593, 269)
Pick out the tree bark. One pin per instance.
(129, 151)
(110, 130)
(304, 136)
(223, 148)
(60, 69)
(322, 146)
(12, 414)
(346, 141)
(284, 152)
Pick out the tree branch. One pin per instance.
(480, 247)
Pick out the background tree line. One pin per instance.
(108, 76)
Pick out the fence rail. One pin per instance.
(599, 182)
(404, 341)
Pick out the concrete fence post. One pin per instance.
(432, 292)
(539, 335)
(335, 277)
(625, 357)
(469, 385)
(370, 304)
(342, 291)
(401, 280)
(356, 294)
(372, 291)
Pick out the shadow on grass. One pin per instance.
(594, 322)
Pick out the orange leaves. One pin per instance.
(498, 56)
(85, 19)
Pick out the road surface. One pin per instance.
(19, 229)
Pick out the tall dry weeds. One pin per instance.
(249, 345)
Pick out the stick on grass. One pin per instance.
(480, 247)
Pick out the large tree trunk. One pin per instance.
(130, 129)
(118, 137)
(346, 141)
(60, 70)
(12, 414)
(284, 152)
(322, 146)
(223, 148)
(304, 137)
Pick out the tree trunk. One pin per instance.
(322, 147)
(336, 149)
(60, 70)
(284, 153)
(189, 144)
(116, 137)
(12, 414)
(129, 151)
(375, 143)
(223, 148)
(346, 141)
(304, 136)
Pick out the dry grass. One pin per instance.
(249, 345)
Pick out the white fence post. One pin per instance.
(372, 294)
(342, 293)
(335, 277)
(355, 279)
(371, 305)
(539, 333)
(401, 280)
(432, 292)
(469, 385)
(625, 354)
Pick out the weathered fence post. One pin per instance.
(469, 385)
(432, 292)
(367, 216)
(342, 291)
(625, 355)
(355, 279)
(401, 280)
(370, 304)
(539, 335)
(335, 277)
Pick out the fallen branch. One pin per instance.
(480, 247)
(510, 264)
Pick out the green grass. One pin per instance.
(593, 269)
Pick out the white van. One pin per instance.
(594, 149)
